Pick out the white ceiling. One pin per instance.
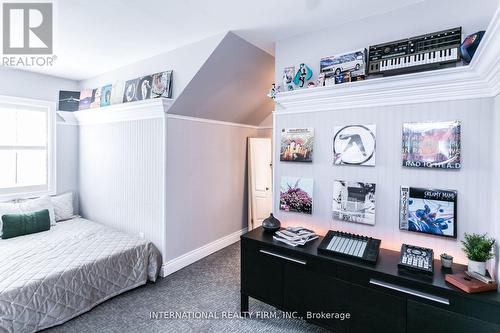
(96, 36)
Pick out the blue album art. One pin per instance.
(106, 95)
(428, 211)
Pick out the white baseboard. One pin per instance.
(199, 253)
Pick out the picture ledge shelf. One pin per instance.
(147, 109)
(477, 80)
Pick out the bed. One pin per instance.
(50, 277)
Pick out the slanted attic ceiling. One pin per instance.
(231, 85)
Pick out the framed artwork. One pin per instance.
(297, 144)
(354, 145)
(130, 91)
(428, 211)
(161, 85)
(432, 145)
(288, 76)
(354, 202)
(85, 99)
(95, 102)
(69, 100)
(296, 195)
(144, 86)
(106, 92)
(117, 92)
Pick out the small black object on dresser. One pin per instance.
(377, 297)
(271, 223)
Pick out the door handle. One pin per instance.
(283, 257)
(409, 291)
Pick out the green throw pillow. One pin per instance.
(26, 223)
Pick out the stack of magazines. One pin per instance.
(295, 236)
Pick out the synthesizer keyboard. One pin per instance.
(416, 53)
(351, 246)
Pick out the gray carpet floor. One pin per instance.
(211, 285)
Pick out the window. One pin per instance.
(26, 148)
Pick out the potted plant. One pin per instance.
(478, 249)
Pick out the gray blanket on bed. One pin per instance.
(50, 277)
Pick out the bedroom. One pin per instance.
(143, 145)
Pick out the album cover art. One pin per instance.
(95, 101)
(297, 144)
(106, 95)
(354, 145)
(144, 87)
(288, 76)
(117, 92)
(429, 211)
(162, 85)
(354, 202)
(432, 145)
(69, 100)
(85, 99)
(296, 195)
(130, 91)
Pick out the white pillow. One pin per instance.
(35, 205)
(63, 206)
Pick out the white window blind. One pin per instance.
(26, 148)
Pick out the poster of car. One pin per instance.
(353, 63)
(354, 202)
(354, 145)
(432, 145)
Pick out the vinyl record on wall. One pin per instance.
(296, 194)
(354, 202)
(354, 145)
(432, 145)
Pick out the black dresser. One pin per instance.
(377, 298)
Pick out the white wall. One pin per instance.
(495, 181)
(18, 83)
(472, 181)
(206, 183)
(184, 61)
(311, 47)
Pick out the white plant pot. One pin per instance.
(477, 266)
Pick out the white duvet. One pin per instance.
(50, 277)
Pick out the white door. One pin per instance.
(259, 180)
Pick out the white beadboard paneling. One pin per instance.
(472, 181)
(122, 176)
